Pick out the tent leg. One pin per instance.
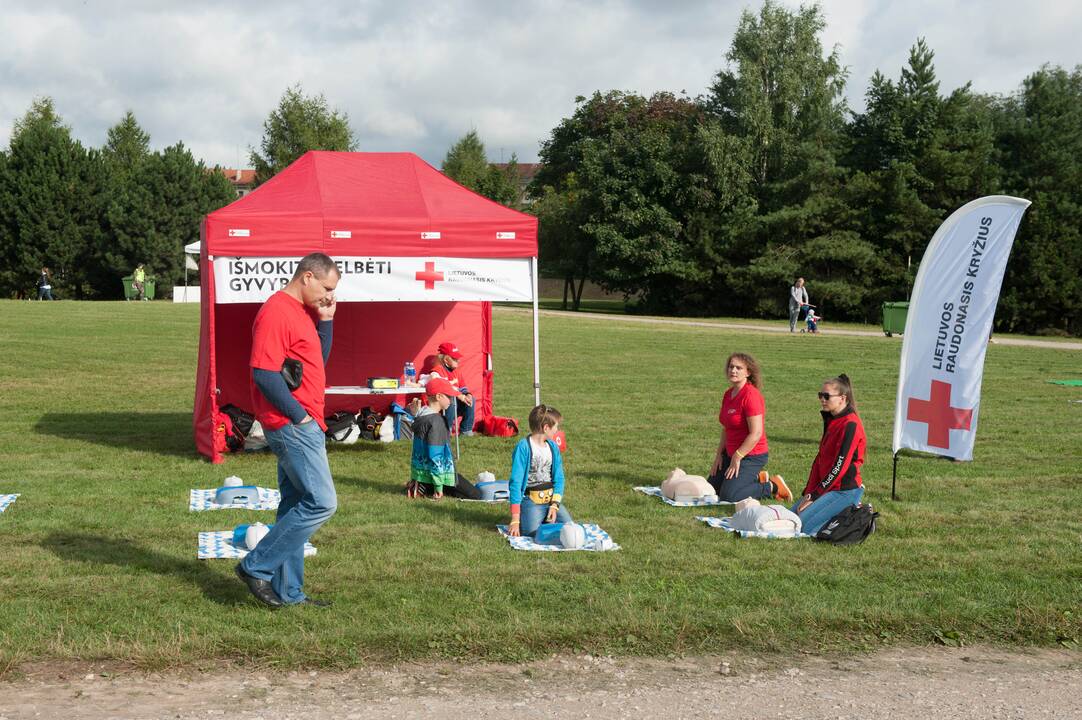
(894, 478)
(536, 347)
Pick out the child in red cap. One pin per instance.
(432, 466)
(444, 364)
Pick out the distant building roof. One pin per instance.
(526, 171)
(238, 176)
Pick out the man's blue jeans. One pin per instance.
(825, 507)
(308, 501)
(533, 515)
(467, 416)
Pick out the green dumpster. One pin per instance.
(130, 293)
(894, 317)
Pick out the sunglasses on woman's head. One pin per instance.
(827, 396)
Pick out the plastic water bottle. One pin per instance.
(411, 374)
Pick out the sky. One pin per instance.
(415, 76)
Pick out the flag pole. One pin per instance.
(894, 478)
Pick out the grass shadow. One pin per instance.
(465, 513)
(163, 433)
(361, 446)
(97, 549)
(382, 487)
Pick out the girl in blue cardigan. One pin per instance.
(537, 475)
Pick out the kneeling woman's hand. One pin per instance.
(512, 529)
(734, 465)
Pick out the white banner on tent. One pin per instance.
(367, 279)
(948, 325)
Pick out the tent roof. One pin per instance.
(367, 204)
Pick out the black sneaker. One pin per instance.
(262, 589)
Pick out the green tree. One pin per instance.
(154, 207)
(126, 221)
(781, 96)
(300, 123)
(467, 164)
(127, 146)
(639, 191)
(1039, 139)
(183, 190)
(50, 194)
(916, 156)
(779, 92)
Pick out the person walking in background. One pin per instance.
(798, 297)
(138, 281)
(295, 324)
(834, 481)
(45, 285)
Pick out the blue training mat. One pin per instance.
(199, 500)
(6, 500)
(597, 540)
(218, 545)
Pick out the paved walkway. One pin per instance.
(775, 328)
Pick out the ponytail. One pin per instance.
(845, 387)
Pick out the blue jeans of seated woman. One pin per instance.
(746, 483)
(532, 515)
(452, 412)
(825, 507)
(308, 501)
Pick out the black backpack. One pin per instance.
(849, 527)
(242, 425)
(339, 422)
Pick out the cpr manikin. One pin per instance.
(681, 487)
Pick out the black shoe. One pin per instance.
(262, 589)
(315, 603)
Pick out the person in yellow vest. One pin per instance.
(139, 278)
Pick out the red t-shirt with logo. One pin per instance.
(734, 415)
(433, 365)
(284, 328)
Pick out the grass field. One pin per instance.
(99, 551)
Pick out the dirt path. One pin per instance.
(942, 683)
(779, 327)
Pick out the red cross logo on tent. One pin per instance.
(430, 276)
(940, 416)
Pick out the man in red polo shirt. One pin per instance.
(444, 364)
(295, 325)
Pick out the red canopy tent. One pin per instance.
(422, 259)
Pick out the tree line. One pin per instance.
(92, 214)
(713, 205)
(707, 205)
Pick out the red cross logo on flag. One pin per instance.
(429, 275)
(940, 416)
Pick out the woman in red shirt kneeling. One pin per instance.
(834, 481)
(742, 450)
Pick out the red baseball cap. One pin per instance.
(439, 386)
(449, 349)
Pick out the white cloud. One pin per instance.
(416, 76)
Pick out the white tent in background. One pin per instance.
(191, 255)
